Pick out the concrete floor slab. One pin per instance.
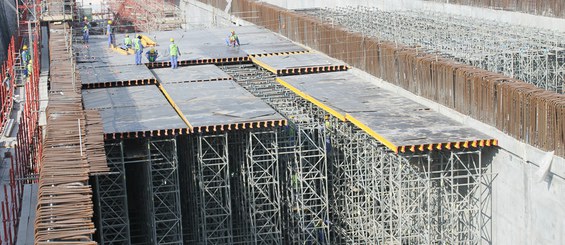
(193, 45)
(132, 109)
(190, 74)
(399, 120)
(219, 103)
(279, 63)
(90, 73)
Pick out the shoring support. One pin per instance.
(264, 187)
(214, 180)
(305, 186)
(164, 186)
(111, 196)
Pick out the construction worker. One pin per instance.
(110, 34)
(327, 123)
(30, 68)
(26, 57)
(234, 39)
(85, 33)
(128, 43)
(152, 55)
(175, 53)
(138, 47)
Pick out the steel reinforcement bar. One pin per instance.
(530, 114)
(73, 144)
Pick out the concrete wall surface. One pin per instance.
(525, 208)
(557, 24)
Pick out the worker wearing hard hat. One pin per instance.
(30, 68)
(138, 47)
(25, 57)
(110, 34)
(128, 43)
(175, 53)
(152, 55)
(85, 33)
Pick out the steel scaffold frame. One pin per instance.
(214, 180)
(162, 156)
(533, 55)
(263, 183)
(111, 196)
(378, 196)
(303, 153)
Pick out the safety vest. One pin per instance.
(174, 49)
(85, 29)
(127, 41)
(138, 44)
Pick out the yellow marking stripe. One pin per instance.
(265, 66)
(177, 109)
(371, 132)
(311, 99)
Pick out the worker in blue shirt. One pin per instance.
(152, 55)
(85, 33)
(26, 57)
(138, 47)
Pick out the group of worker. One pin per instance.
(137, 45)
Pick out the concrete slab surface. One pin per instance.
(140, 119)
(219, 103)
(105, 98)
(399, 120)
(193, 45)
(296, 61)
(91, 73)
(132, 109)
(190, 74)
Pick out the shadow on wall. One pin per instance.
(7, 26)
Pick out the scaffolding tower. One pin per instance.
(262, 172)
(111, 198)
(214, 181)
(375, 195)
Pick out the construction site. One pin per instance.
(282, 122)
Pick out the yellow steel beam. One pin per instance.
(265, 66)
(368, 130)
(311, 99)
(177, 109)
